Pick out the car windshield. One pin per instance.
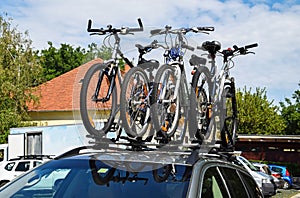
(93, 178)
(249, 164)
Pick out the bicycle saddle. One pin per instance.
(149, 65)
(211, 46)
(196, 60)
(143, 49)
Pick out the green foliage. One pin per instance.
(59, 61)
(19, 72)
(291, 113)
(95, 52)
(256, 114)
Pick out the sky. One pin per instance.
(273, 24)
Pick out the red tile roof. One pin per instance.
(62, 93)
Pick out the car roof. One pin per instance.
(165, 156)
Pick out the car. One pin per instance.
(265, 182)
(286, 176)
(16, 166)
(276, 176)
(91, 171)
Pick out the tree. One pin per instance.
(59, 61)
(256, 114)
(95, 52)
(19, 73)
(291, 113)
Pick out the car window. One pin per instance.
(235, 185)
(36, 163)
(267, 170)
(213, 185)
(93, 178)
(276, 169)
(9, 166)
(249, 164)
(23, 166)
(253, 189)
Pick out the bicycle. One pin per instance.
(215, 94)
(136, 91)
(98, 95)
(170, 92)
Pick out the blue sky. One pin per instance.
(274, 25)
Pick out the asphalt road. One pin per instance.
(294, 193)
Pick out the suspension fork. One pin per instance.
(112, 82)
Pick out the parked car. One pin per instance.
(276, 176)
(15, 167)
(91, 172)
(286, 176)
(265, 182)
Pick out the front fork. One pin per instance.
(111, 75)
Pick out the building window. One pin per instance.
(34, 143)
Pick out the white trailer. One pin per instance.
(45, 140)
(3, 152)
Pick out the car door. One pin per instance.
(222, 180)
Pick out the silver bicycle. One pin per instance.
(215, 111)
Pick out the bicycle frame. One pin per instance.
(108, 74)
(218, 90)
(112, 70)
(218, 80)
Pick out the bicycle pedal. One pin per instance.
(114, 127)
(159, 138)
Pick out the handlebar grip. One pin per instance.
(139, 29)
(90, 29)
(140, 23)
(155, 31)
(251, 46)
(89, 25)
(206, 28)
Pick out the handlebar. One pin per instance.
(187, 47)
(243, 50)
(240, 50)
(168, 28)
(110, 29)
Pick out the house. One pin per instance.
(59, 98)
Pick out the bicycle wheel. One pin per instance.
(201, 110)
(135, 103)
(229, 115)
(97, 111)
(166, 109)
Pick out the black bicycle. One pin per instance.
(98, 95)
(136, 94)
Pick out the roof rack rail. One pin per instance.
(72, 152)
(32, 157)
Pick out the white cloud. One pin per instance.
(275, 26)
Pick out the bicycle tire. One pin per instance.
(229, 115)
(97, 116)
(165, 116)
(201, 110)
(135, 103)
